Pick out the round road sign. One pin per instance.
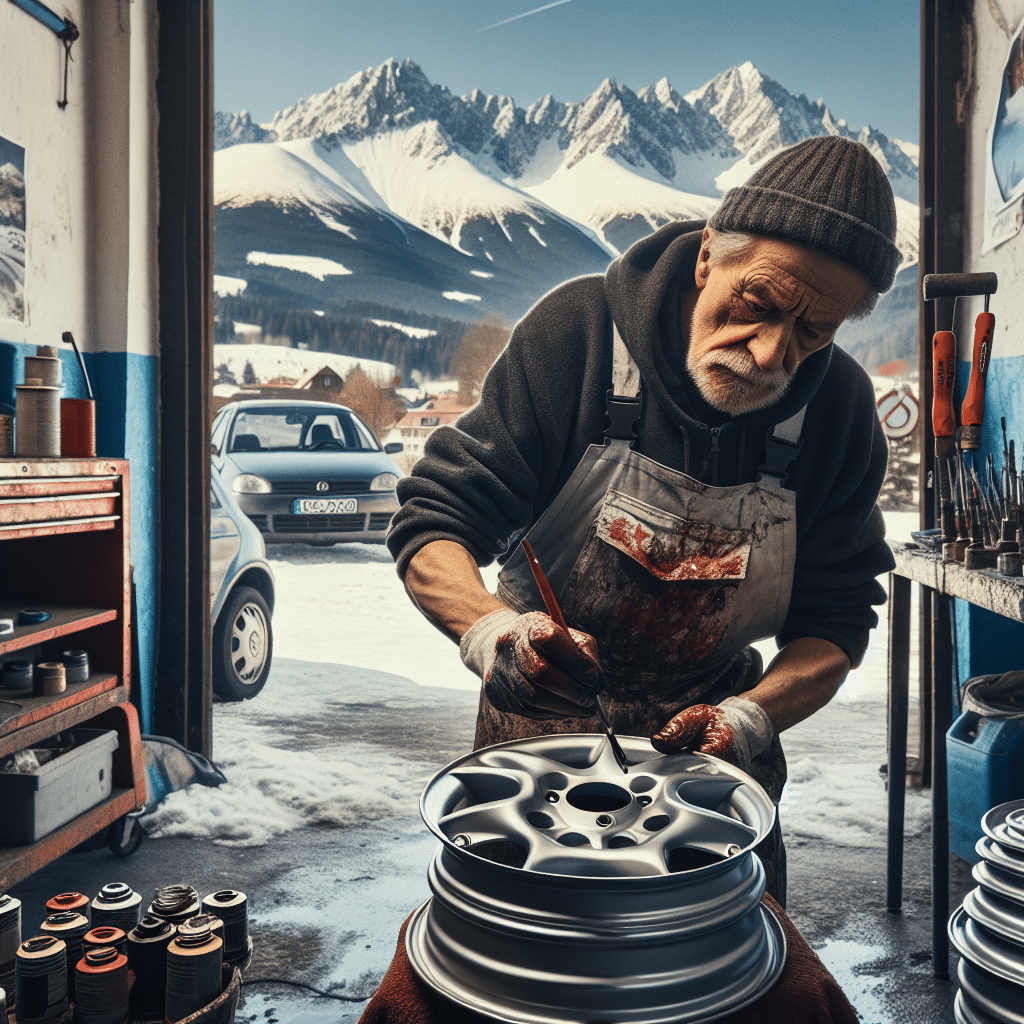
(898, 411)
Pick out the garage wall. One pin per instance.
(986, 642)
(90, 253)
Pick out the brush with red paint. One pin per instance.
(551, 604)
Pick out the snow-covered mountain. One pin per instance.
(760, 116)
(469, 205)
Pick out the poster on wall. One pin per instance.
(12, 230)
(1004, 181)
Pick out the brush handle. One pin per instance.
(69, 339)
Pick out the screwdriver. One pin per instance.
(551, 604)
(973, 410)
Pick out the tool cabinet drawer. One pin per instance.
(57, 499)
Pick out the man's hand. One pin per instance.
(736, 730)
(532, 667)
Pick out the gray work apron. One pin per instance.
(673, 578)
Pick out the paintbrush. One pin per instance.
(551, 604)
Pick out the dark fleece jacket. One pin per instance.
(485, 480)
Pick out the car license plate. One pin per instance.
(324, 506)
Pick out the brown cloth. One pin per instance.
(804, 994)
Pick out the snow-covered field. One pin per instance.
(345, 635)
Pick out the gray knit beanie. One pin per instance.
(828, 192)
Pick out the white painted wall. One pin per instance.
(86, 168)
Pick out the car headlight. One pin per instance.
(384, 482)
(251, 483)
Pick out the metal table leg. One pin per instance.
(942, 719)
(899, 699)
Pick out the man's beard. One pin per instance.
(730, 381)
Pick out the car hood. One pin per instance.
(334, 465)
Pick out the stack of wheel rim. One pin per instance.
(988, 929)
(565, 890)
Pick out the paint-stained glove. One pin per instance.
(736, 730)
(532, 667)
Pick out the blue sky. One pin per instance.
(860, 56)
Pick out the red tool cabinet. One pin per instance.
(64, 532)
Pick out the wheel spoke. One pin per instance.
(704, 830)
(708, 792)
(534, 764)
(488, 822)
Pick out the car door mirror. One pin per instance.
(393, 448)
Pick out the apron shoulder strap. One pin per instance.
(624, 397)
(781, 449)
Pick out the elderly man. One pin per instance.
(696, 465)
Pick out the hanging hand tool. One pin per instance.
(972, 412)
(551, 604)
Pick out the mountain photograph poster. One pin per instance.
(12, 230)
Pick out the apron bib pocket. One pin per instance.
(655, 589)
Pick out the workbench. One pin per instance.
(940, 582)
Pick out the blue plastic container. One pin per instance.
(985, 767)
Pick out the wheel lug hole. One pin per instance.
(732, 849)
(461, 840)
(604, 820)
(552, 798)
(643, 801)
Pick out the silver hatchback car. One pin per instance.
(305, 471)
(241, 600)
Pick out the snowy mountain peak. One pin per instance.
(762, 117)
(238, 129)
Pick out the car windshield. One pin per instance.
(294, 429)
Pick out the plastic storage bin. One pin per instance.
(985, 764)
(37, 803)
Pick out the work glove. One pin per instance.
(736, 730)
(532, 667)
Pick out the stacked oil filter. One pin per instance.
(988, 929)
(37, 406)
(176, 953)
(10, 939)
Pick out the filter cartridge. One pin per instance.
(70, 927)
(76, 670)
(193, 972)
(10, 940)
(116, 903)
(42, 979)
(37, 421)
(101, 984)
(232, 907)
(147, 957)
(50, 679)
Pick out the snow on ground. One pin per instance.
(223, 285)
(315, 266)
(347, 637)
(461, 296)
(270, 361)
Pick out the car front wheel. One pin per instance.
(242, 646)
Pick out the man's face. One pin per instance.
(753, 321)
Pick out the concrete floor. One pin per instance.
(327, 900)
